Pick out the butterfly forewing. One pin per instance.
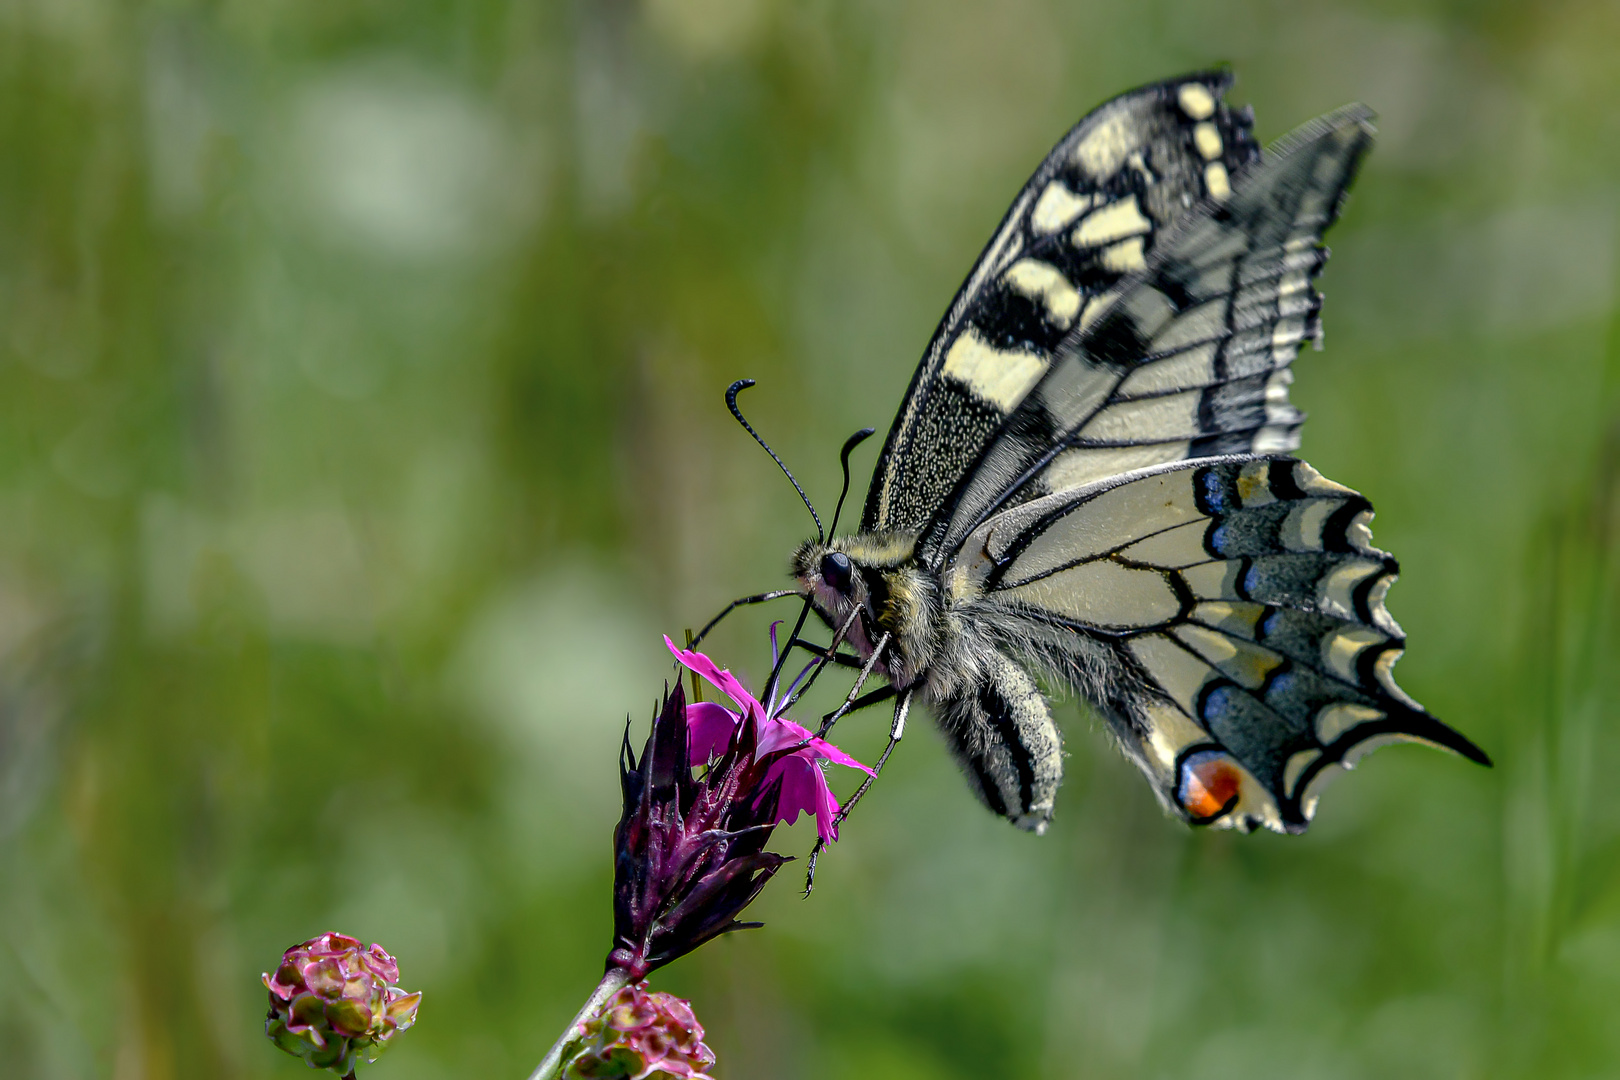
(1189, 357)
(1090, 217)
(1227, 615)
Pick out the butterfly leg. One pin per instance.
(760, 598)
(849, 705)
(897, 729)
(849, 660)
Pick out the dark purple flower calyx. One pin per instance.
(690, 846)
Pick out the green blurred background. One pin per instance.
(361, 429)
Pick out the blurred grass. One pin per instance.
(360, 428)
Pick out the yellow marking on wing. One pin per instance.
(1057, 207)
(1208, 140)
(1246, 663)
(1106, 224)
(1335, 593)
(1334, 720)
(880, 549)
(1043, 282)
(999, 377)
(1104, 149)
(1196, 101)
(1302, 529)
(1125, 256)
(1297, 764)
(1254, 484)
(1233, 616)
(1277, 406)
(1293, 283)
(1340, 649)
(1216, 180)
(1314, 483)
(1359, 535)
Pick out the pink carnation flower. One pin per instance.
(804, 785)
(699, 808)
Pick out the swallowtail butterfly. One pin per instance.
(1088, 482)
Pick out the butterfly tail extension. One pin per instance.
(1001, 732)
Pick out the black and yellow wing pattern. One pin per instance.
(1189, 357)
(1091, 458)
(1087, 220)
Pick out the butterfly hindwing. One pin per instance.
(1190, 357)
(1089, 218)
(1226, 614)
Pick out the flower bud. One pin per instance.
(642, 1036)
(334, 1002)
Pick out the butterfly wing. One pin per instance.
(1087, 220)
(1226, 615)
(1188, 358)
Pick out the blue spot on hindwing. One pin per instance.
(1253, 580)
(1217, 703)
(1214, 492)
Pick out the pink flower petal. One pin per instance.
(722, 679)
(782, 733)
(826, 812)
(800, 778)
(710, 726)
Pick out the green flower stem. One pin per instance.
(551, 1067)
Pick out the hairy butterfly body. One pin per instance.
(1087, 483)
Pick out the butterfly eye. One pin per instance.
(837, 571)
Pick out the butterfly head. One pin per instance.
(873, 576)
(837, 586)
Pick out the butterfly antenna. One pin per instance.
(731, 403)
(843, 459)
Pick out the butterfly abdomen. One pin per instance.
(1001, 733)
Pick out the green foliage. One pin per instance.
(360, 428)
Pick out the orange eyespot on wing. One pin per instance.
(1209, 785)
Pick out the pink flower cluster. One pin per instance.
(642, 1036)
(334, 1002)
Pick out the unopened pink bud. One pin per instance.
(642, 1036)
(333, 1002)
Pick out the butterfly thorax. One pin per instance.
(877, 574)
